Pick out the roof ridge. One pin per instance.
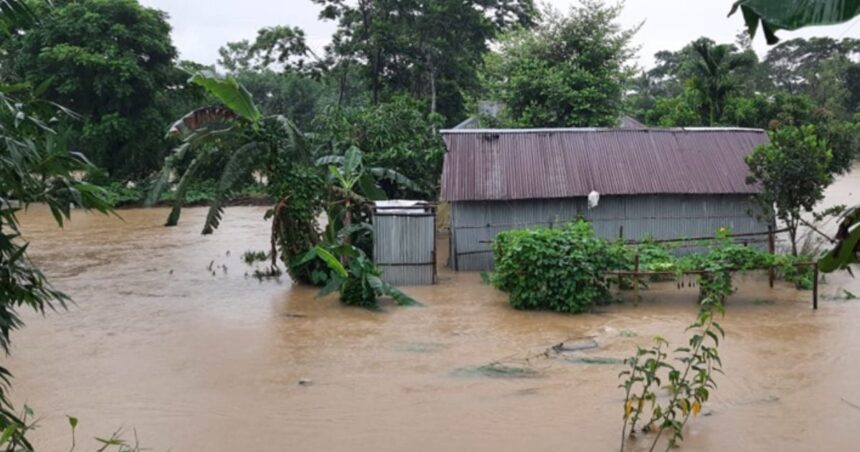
(598, 129)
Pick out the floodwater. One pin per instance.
(171, 339)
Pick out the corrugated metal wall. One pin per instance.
(657, 216)
(405, 247)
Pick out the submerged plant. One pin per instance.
(688, 376)
(356, 277)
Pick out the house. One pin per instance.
(660, 183)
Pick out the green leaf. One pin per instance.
(7, 434)
(73, 421)
(230, 92)
(331, 261)
(369, 188)
(792, 15)
(331, 287)
(841, 256)
(352, 162)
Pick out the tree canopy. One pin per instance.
(570, 70)
(123, 86)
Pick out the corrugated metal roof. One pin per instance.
(487, 164)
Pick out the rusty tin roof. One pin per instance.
(509, 164)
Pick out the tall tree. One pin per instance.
(275, 48)
(715, 75)
(414, 46)
(792, 65)
(793, 170)
(111, 61)
(570, 70)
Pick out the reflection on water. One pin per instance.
(170, 337)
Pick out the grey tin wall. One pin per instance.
(405, 247)
(658, 216)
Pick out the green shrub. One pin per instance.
(556, 269)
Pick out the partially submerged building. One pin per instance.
(660, 183)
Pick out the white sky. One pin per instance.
(200, 27)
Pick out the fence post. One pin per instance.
(771, 248)
(815, 286)
(636, 279)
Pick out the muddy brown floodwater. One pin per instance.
(171, 338)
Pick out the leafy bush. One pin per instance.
(564, 269)
(557, 269)
(355, 276)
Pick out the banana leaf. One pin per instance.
(776, 15)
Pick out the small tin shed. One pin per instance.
(404, 242)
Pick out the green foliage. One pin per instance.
(568, 71)
(34, 168)
(794, 169)
(847, 248)
(556, 269)
(679, 111)
(281, 45)
(251, 257)
(412, 47)
(230, 92)
(775, 14)
(124, 87)
(690, 380)
(356, 277)
(395, 135)
(714, 75)
(565, 269)
(296, 97)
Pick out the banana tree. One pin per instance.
(358, 280)
(236, 131)
(774, 15)
(352, 186)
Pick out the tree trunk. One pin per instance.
(792, 233)
(432, 90)
(344, 81)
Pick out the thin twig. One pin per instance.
(852, 405)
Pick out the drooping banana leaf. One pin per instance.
(230, 92)
(386, 289)
(184, 183)
(240, 165)
(776, 15)
(202, 117)
(846, 250)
